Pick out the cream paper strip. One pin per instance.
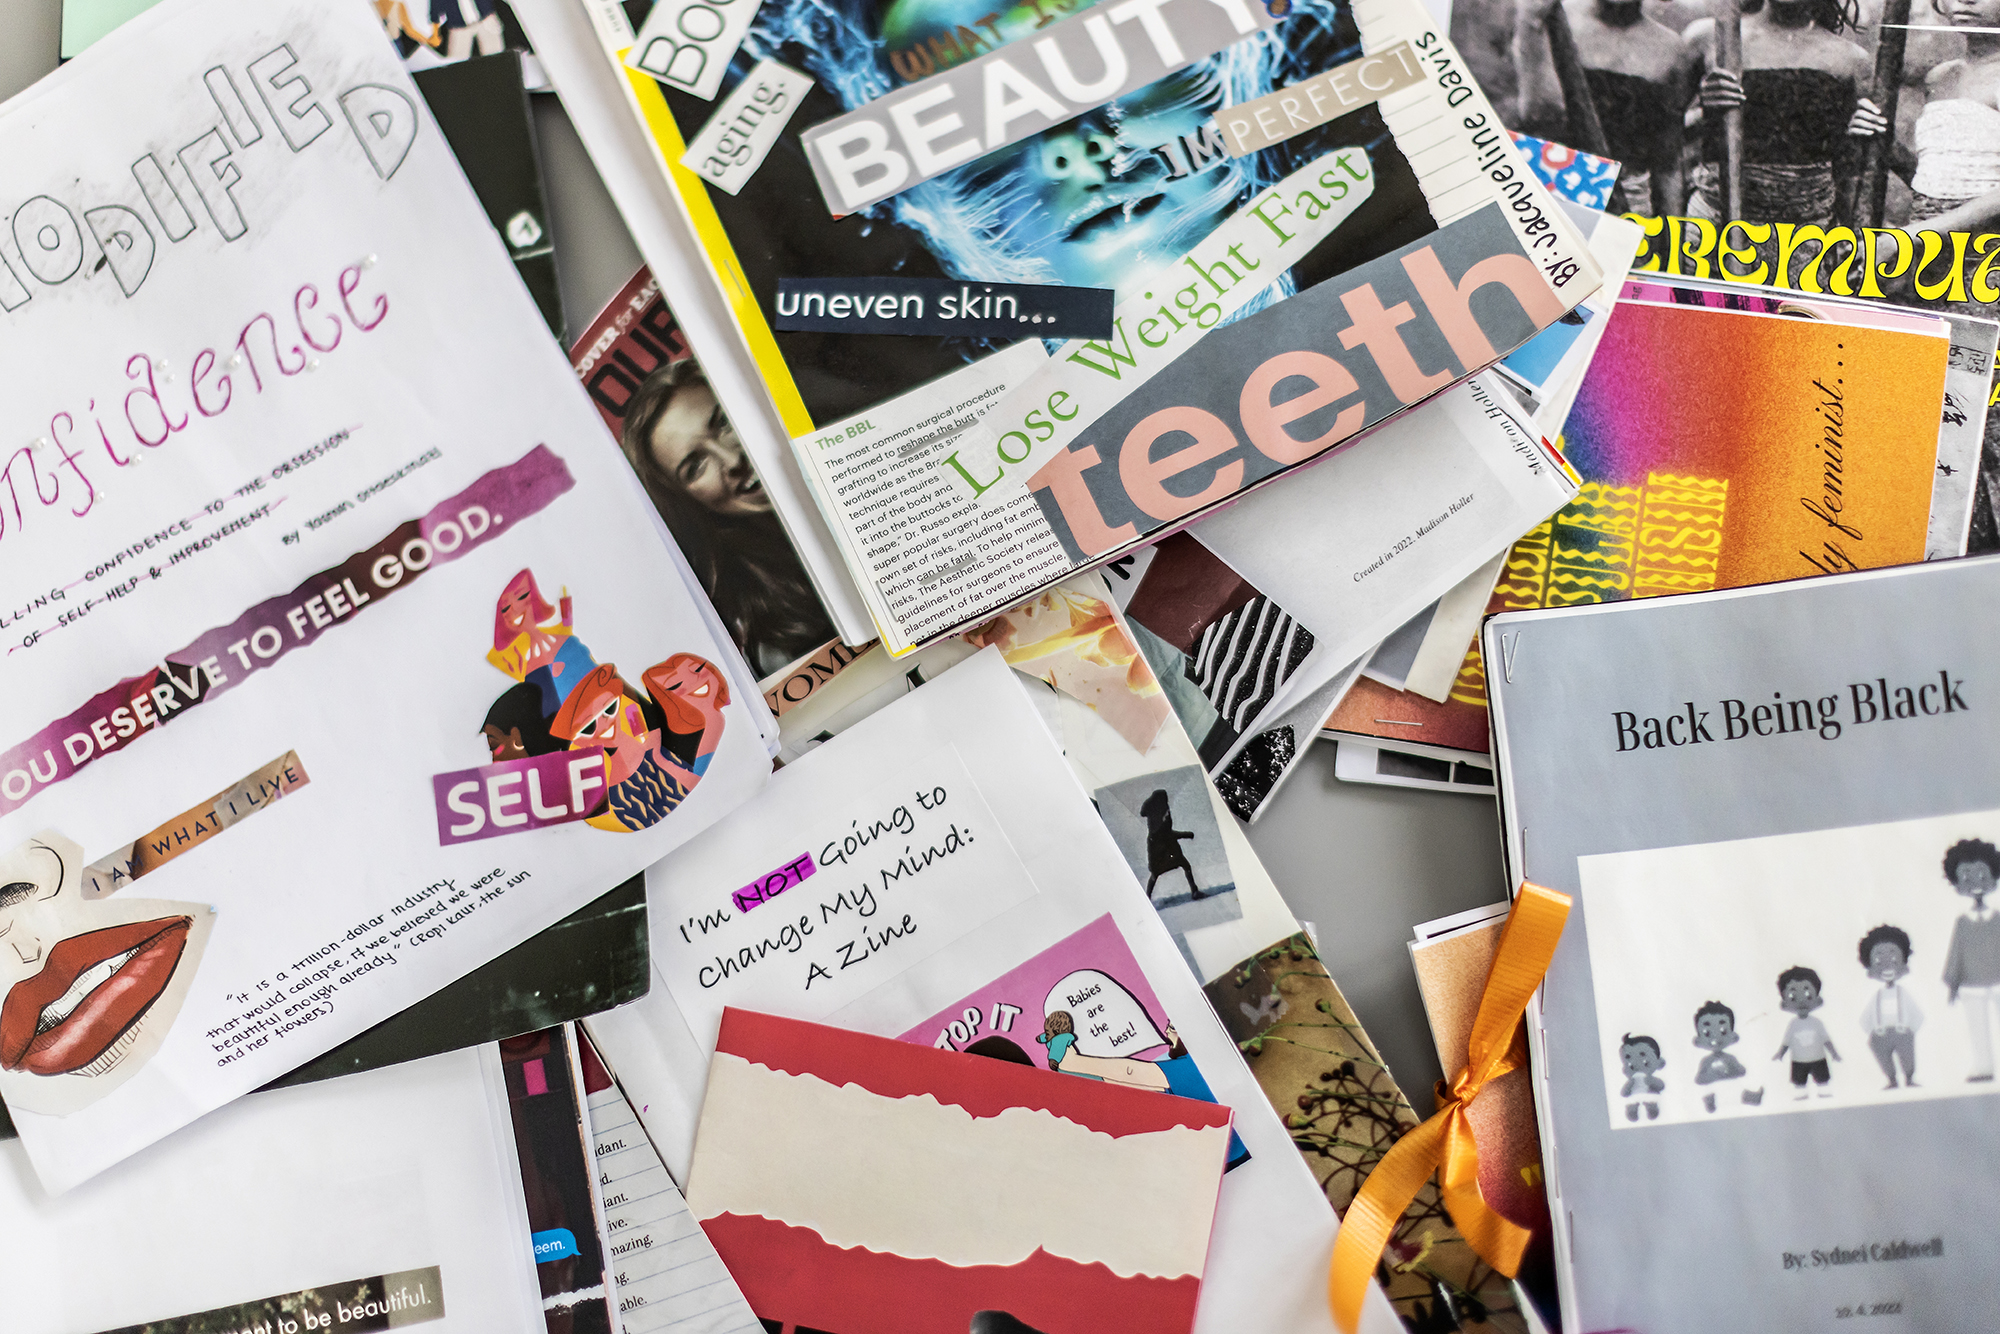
(893, 1175)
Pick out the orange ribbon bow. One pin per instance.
(1498, 1044)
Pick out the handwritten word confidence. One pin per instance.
(155, 409)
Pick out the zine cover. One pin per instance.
(891, 874)
(1073, 1203)
(1766, 1042)
(656, 401)
(434, 680)
(1824, 92)
(1683, 491)
(964, 457)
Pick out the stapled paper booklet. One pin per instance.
(434, 677)
(1764, 1051)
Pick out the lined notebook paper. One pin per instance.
(666, 1272)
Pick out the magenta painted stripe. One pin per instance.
(768, 886)
(222, 658)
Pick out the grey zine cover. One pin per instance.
(1765, 1048)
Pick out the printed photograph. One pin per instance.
(656, 401)
(1861, 967)
(1165, 825)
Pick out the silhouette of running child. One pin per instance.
(1806, 1038)
(1714, 1030)
(1641, 1057)
(1891, 1017)
(1163, 843)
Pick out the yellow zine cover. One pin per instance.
(1721, 449)
(1717, 449)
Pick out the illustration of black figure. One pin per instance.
(1714, 1032)
(1972, 962)
(1163, 843)
(1806, 1038)
(1891, 1017)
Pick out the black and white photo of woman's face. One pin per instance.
(696, 447)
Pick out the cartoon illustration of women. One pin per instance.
(1891, 1017)
(645, 780)
(1163, 843)
(88, 989)
(690, 693)
(528, 648)
(1972, 962)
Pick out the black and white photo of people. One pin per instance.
(1659, 94)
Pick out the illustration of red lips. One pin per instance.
(90, 992)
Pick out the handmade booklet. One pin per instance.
(1683, 489)
(911, 865)
(388, 1200)
(859, 1182)
(552, 1140)
(1764, 1051)
(1026, 295)
(434, 675)
(1358, 544)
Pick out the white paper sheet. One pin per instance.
(1274, 1229)
(1356, 545)
(352, 436)
(378, 1174)
(668, 1275)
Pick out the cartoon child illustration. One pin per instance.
(88, 989)
(1163, 843)
(1715, 1030)
(1058, 1035)
(1972, 961)
(645, 781)
(1641, 1057)
(1891, 1017)
(528, 648)
(1806, 1038)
